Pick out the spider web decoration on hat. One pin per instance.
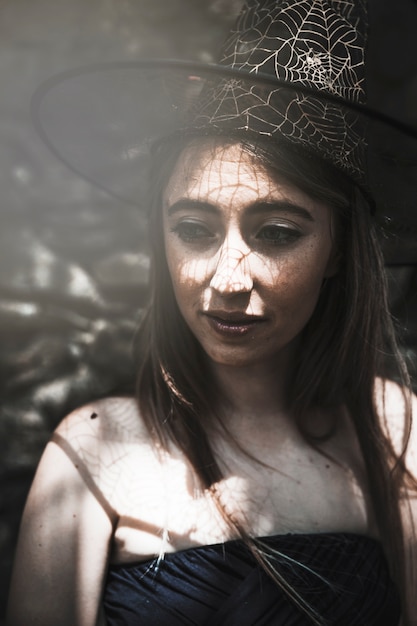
(314, 44)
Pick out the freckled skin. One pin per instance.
(269, 263)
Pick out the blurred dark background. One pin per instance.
(73, 261)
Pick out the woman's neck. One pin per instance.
(258, 390)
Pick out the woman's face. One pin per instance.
(247, 253)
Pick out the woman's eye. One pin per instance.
(192, 231)
(277, 234)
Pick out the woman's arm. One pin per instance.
(391, 406)
(62, 551)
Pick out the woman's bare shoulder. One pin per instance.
(70, 516)
(397, 407)
(107, 441)
(103, 420)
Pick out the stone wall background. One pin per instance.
(73, 262)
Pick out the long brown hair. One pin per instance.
(344, 346)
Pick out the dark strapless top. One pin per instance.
(343, 576)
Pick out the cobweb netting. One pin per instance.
(313, 44)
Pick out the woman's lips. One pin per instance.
(233, 324)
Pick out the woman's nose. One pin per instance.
(232, 273)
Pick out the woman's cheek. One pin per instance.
(192, 273)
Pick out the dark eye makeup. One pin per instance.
(277, 234)
(192, 231)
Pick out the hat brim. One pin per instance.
(101, 120)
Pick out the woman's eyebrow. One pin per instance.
(195, 205)
(255, 208)
(280, 206)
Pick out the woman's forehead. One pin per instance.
(207, 167)
(227, 173)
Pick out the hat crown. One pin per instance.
(314, 43)
(314, 52)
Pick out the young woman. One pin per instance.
(266, 472)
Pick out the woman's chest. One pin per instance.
(161, 507)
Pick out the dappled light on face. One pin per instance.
(247, 252)
(232, 273)
(208, 192)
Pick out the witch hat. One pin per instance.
(290, 68)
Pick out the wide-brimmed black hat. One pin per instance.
(290, 68)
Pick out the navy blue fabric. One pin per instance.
(343, 576)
